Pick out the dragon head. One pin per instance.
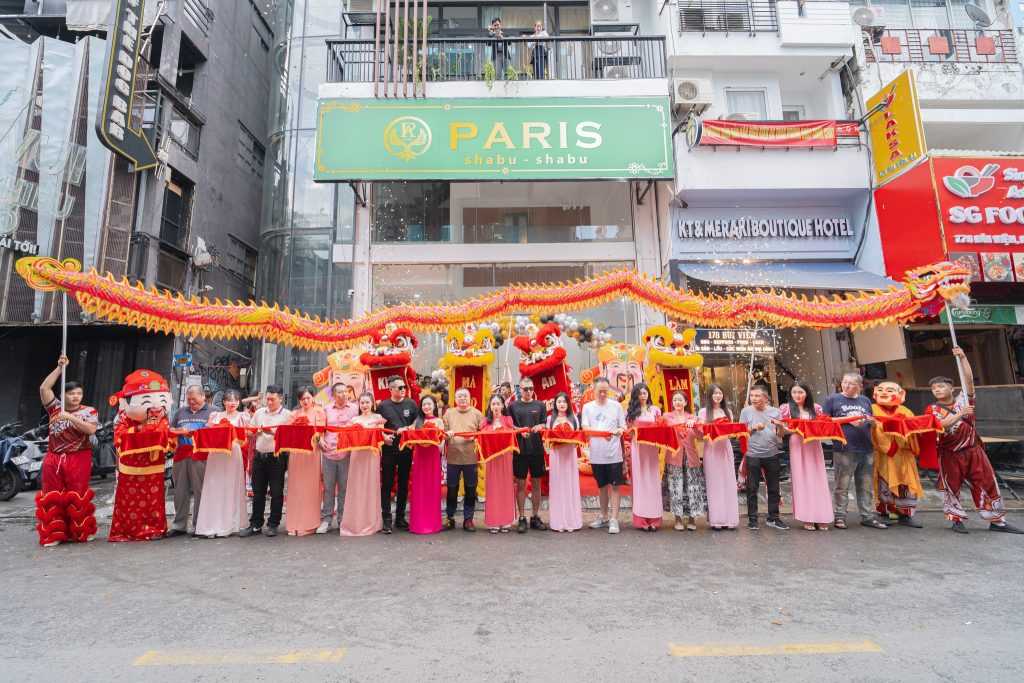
(542, 351)
(389, 347)
(471, 345)
(933, 285)
(669, 346)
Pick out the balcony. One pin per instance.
(728, 16)
(771, 158)
(513, 59)
(942, 45)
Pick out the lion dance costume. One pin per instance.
(142, 439)
(64, 504)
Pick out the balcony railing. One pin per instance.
(942, 45)
(476, 59)
(728, 16)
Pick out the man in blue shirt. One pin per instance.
(855, 459)
(189, 468)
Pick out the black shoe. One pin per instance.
(270, 531)
(171, 533)
(536, 523)
(778, 524)
(522, 526)
(752, 525)
(449, 524)
(400, 523)
(387, 526)
(958, 527)
(248, 531)
(1005, 528)
(907, 520)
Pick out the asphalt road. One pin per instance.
(855, 605)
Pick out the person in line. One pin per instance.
(363, 513)
(854, 459)
(719, 464)
(538, 51)
(334, 465)
(644, 465)
(962, 456)
(268, 468)
(812, 500)
(683, 489)
(565, 503)
(897, 481)
(461, 458)
(398, 411)
(762, 455)
(529, 413)
(499, 484)
(64, 504)
(304, 506)
(224, 483)
(189, 467)
(606, 415)
(505, 389)
(425, 480)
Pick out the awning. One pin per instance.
(834, 275)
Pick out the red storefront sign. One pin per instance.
(823, 133)
(962, 208)
(981, 200)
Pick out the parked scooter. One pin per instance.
(104, 457)
(22, 459)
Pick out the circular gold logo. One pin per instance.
(407, 137)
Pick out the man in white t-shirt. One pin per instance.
(605, 415)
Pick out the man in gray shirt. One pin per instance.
(762, 454)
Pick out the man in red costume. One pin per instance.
(962, 456)
(64, 505)
(142, 439)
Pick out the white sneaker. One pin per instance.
(51, 544)
(613, 526)
(322, 529)
(598, 523)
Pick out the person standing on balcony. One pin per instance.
(539, 51)
(499, 50)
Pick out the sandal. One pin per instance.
(822, 527)
(840, 523)
(809, 527)
(692, 524)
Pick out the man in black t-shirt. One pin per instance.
(398, 412)
(528, 413)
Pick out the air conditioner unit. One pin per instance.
(868, 16)
(611, 12)
(616, 72)
(691, 94)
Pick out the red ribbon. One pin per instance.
(818, 429)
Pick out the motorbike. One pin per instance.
(22, 459)
(104, 457)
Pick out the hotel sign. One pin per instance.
(114, 124)
(494, 139)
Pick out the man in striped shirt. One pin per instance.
(962, 456)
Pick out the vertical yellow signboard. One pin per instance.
(895, 128)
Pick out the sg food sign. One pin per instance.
(982, 202)
(493, 139)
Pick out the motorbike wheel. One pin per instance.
(10, 483)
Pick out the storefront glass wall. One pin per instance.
(302, 220)
(503, 213)
(414, 283)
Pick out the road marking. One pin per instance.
(833, 648)
(198, 658)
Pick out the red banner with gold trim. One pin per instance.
(470, 377)
(295, 438)
(491, 444)
(821, 133)
(816, 430)
(429, 436)
(662, 436)
(216, 439)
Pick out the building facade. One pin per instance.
(188, 225)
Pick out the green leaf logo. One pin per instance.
(957, 186)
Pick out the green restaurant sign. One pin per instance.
(493, 139)
(985, 315)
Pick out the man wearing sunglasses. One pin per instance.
(398, 411)
(528, 413)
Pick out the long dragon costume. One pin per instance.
(923, 292)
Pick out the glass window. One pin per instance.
(929, 13)
(312, 203)
(314, 72)
(460, 19)
(345, 211)
(177, 209)
(573, 19)
(502, 213)
(792, 112)
(184, 133)
(272, 269)
(412, 283)
(309, 283)
(751, 103)
(275, 191)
